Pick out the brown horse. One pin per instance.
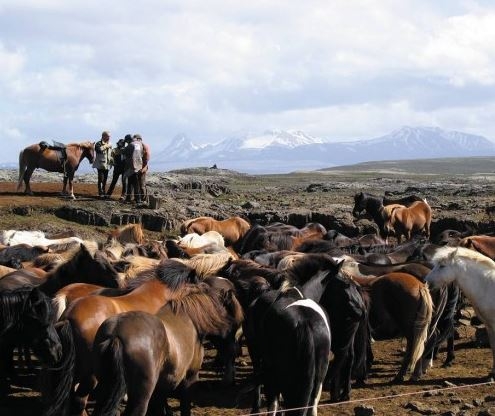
(86, 314)
(129, 233)
(37, 156)
(484, 244)
(153, 356)
(400, 304)
(232, 229)
(406, 220)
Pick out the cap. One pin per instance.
(128, 138)
(138, 137)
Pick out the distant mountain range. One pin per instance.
(278, 151)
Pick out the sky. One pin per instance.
(209, 69)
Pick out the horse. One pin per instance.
(484, 244)
(20, 252)
(406, 220)
(164, 351)
(26, 319)
(232, 229)
(37, 156)
(33, 238)
(129, 233)
(152, 290)
(373, 205)
(474, 273)
(289, 339)
(399, 303)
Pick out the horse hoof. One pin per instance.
(397, 380)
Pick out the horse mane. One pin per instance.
(174, 274)
(9, 306)
(465, 253)
(47, 261)
(205, 311)
(129, 233)
(85, 145)
(207, 264)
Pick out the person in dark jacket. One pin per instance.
(118, 158)
(133, 164)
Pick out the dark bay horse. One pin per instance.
(84, 316)
(151, 356)
(37, 156)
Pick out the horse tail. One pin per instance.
(421, 325)
(111, 387)
(59, 304)
(57, 381)
(22, 169)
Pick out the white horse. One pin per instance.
(475, 275)
(194, 240)
(33, 238)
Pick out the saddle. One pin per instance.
(61, 150)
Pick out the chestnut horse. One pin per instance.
(232, 229)
(484, 244)
(406, 220)
(86, 314)
(36, 156)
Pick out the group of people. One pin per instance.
(129, 159)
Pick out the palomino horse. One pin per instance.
(232, 229)
(164, 351)
(36, 156)
(406, 220)
(475, 275)
(86, 314)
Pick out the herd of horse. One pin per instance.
(125, 320)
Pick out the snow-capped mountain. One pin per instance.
(286, 151)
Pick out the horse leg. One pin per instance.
(399, 378)
(71, 188)
(491, 337)
(450, 351)
(86, 385)
(27, 177)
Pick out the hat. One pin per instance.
(120, 142)
(138, 137)
(128, 138)
(105, 134)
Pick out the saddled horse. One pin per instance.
(288, 336)
(475, 275)
(37, 156)
(85, 315)
(232, 229)
(164, 351)
(404, 221)
(26, 319)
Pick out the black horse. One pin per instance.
(288, 337)
(26, 318)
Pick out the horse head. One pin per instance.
(88, 151)
(38, 325)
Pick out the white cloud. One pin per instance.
(335, 69)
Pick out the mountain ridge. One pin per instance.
(279, 151)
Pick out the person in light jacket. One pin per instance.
(103, 161)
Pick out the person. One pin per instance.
(118, 158)
(133, 164)
(102, 163)
(144, 169)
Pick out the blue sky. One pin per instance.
(335, 69)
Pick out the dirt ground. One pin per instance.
(442, 391)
